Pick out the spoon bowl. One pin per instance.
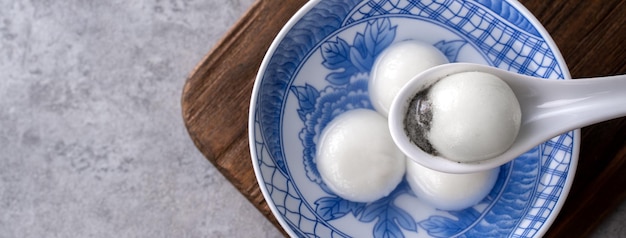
(549, 108)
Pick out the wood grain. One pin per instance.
(216, 96)
(590, 35)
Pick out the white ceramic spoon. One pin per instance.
(549, 108)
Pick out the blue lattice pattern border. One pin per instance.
(556, 160)
(478, 24)
(286, 201)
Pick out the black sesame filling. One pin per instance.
(418, 119)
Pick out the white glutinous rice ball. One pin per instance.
(475, 116)
(357, 157)
(395, 66)
(450, 192)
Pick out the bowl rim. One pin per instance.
(543, 33)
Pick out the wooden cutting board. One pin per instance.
(590, 34)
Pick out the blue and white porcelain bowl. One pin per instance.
(318, 67)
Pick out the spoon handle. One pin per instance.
(565, 105)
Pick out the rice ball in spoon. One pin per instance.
(357, 158)
(465, 117)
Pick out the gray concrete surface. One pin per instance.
(92, 142)
(91, 135)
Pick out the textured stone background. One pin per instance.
(92, 142)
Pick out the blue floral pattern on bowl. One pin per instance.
(320, 68)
